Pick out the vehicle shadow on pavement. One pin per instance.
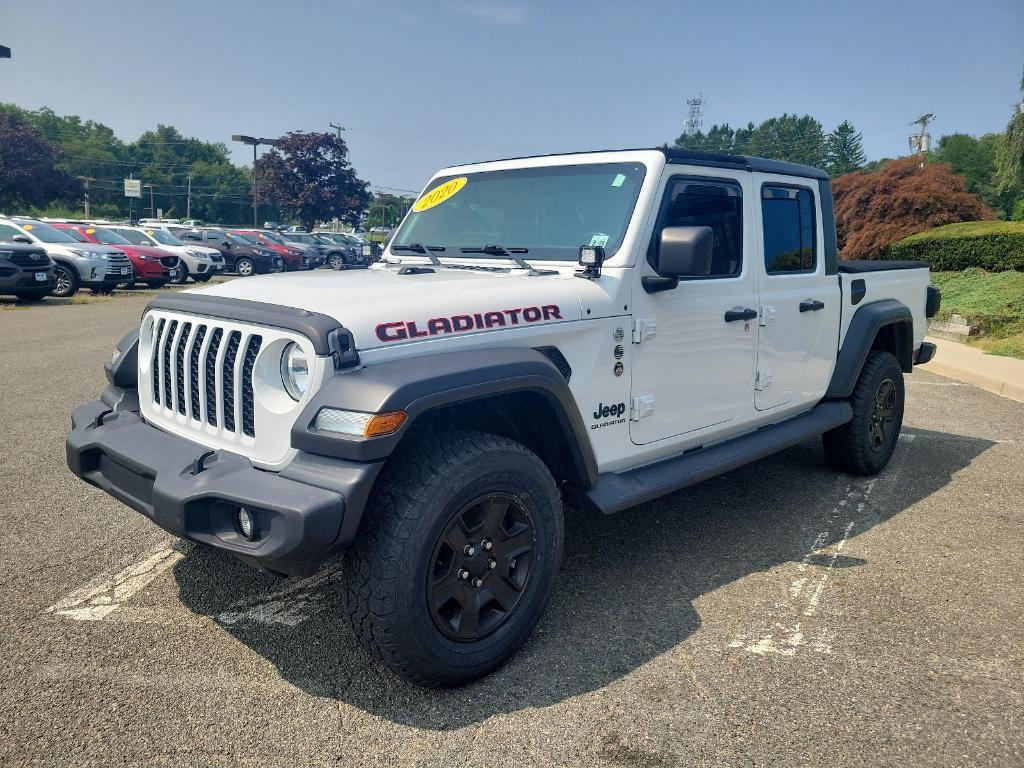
(626, 592)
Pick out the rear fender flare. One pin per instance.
(868, 321)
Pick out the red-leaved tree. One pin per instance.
(874, 210)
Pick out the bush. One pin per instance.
(874, 210)
(994, 246)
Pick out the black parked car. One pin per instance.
(242, 255)
(25, 271)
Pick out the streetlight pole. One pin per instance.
(255, 143)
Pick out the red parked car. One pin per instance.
(293, 258)
(153, 266)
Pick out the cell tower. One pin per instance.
(693, 119)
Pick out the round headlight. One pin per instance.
(294, 371)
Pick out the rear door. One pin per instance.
(799, 303)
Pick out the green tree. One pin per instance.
(29, 175)
(1010, 157)
(309, 176)
(788, 137)
(844, 151)
(975, 160)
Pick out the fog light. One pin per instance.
(247, 523)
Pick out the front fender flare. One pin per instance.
(417, 385)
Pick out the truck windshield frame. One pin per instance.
(550, 210)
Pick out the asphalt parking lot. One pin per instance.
(777, 615)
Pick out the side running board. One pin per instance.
(614, 492)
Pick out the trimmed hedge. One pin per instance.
(994, 246)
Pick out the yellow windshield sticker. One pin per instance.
(438, 195)
(89, 231)
(26, 227)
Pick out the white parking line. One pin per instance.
(788, 634)
(105, 594)
(107, 597)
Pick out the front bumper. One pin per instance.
(25, 280)
(304, 514)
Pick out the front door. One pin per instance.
(800, 303)
(694, 364)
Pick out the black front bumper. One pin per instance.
(304, 514)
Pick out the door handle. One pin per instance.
(740, 313)
(811, 305)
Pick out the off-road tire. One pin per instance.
(856, 447)
(418, 496)
(66, 281)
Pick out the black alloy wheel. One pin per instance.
(481, 567)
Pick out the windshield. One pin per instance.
(240, 238)
(551, 211)
(271, 237)
(134, 237)
(106, 236)
(162, 237)
(46, 233)
(76, 235)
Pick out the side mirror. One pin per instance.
(682, 252)
(21, 239)
(227, 244)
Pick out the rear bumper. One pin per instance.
(924, 353)
(304, 514)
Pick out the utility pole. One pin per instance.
(337, 129)
(693, 119)
(152, 206)
(85, 181)
(920, 142)
(188, 199)
(254, 142)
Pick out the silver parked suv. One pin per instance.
(77, 265)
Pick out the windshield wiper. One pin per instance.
(509, 253)
(426, 250)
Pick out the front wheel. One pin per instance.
(457, 558)
(336, 261)
(182, 275)
(864, 445)
(245, 267)
(202, 278)
(66, 281)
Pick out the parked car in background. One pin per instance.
(321, 250)
(242, 255)
(76, 265)
(343, 250)
(196, 261)
(25, 270)
(153, 266)
(295, 258)
(159, 221)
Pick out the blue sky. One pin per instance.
(424, 85)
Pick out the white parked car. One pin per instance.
(197, 261)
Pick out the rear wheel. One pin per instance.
(457, 558)
(864, 445)
(66, 280)
(245, 267)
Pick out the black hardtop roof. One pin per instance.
(698, 157)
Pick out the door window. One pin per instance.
(787, 216)
(715, 203)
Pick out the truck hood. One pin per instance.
(382, 307)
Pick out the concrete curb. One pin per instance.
(1003, 376)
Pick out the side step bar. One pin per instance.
(614, 492)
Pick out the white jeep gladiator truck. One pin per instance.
(596, 328)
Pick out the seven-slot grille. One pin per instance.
(204, 372)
